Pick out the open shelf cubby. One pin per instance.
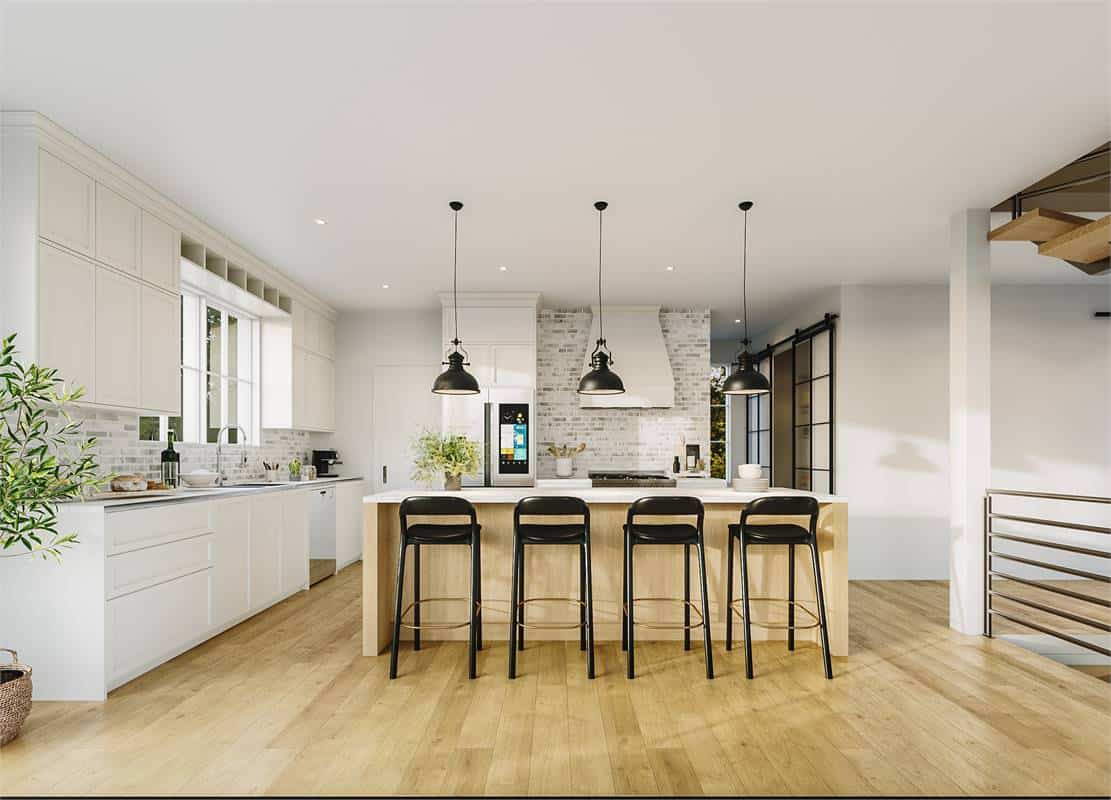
(194, 251)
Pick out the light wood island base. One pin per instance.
(553, 572)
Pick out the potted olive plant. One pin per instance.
(44, 460)
(449, 455)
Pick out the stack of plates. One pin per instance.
(750, 484)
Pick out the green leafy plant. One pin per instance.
(45, 458)
(295, 467)
(436, 455)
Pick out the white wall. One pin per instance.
(365, 340)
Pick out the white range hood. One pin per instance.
(640, 357)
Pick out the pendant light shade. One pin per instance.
(746, 379)
(601, 379)
(455, 379)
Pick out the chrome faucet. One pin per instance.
(221, 478)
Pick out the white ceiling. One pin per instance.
(857, 130)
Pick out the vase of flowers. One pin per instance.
(564, 455)
(449, 455)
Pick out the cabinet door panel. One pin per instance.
(349, 522)
(295, 540)
(66, 201)
(514, 364)
(67, 288)
(117, 230)
(327, 337)
(301, 379)
(265, 555)
(299, 322)
(117, 339)
(231, 523)
(160, 346)
(160, 255)
(312, 331)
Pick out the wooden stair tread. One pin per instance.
(1084, 245)
(1037, 225)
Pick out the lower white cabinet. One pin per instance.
(294, 541)
(349, 522)
(231, 560)
(265, 558)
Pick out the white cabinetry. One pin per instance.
(66, 202)
(298, 371)
(295, 541)
(160, 256)
(66, 324)
(160, 349)
(231, 559)
(265, 556)
(117, 230)
(349, 522)
(116, 340)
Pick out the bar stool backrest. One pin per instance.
(547, 506)
(783, 506)
(436, 506)
(667, 506)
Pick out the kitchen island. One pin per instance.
(553, 571)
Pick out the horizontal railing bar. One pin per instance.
(1050, 632)
(1050, 496)
(1010, 537)
(1073, 526)
(1095, 576)
(1103, 626)
(1050, 588)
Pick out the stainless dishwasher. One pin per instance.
(322, 534)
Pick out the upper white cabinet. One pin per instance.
(117, 231)
(298, 371)
(160, 351)
(313, 331)
(116, 339)
(66, 327)
(327, 337)
(66, 203)
(160, 253)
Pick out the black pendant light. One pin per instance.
(601, 379)
(455, 379)
(745, 380)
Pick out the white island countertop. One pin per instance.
(506, 494)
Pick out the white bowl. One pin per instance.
(200, 479)
(749, 471)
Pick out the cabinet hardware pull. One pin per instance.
(384, 474)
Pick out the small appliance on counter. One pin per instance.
(324, 461)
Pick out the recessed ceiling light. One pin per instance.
(320, 221)
(737, 321)
(503, 269)
(385, 286)
(671, 269)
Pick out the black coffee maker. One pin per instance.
(325, 462)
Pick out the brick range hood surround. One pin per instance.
(620, 438)
(634, 336)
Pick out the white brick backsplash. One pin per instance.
(119, 450)
(623, 438)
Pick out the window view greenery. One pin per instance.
(718, 428)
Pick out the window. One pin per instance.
(219, 376)
(719, 437)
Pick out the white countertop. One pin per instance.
(186, 495)
(479, 495)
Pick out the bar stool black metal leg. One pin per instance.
(520, 611)
(478, 589)
(701, 547)
(686, 597)
(624, 593)
(747, 610)
(472, 654)
(821, 609)
(416, 597)
(629, 666)
(791, 597)
(397, 611)
(582, 597)
(513, 600)
(729, 595)
(589, 614)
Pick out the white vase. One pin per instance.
(749, 471)
(564, 468)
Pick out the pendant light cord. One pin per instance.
(744, 277)
(455, 276)
(601, 335)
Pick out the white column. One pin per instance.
(969, 414)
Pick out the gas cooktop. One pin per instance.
(630, 478)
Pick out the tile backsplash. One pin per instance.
(622, 438)
(119, 449)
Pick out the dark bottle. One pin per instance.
(675, 465)
(171, 463)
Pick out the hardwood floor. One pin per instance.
(285, 704)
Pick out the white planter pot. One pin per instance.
(564, 468)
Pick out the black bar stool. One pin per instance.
(526, 533)
(684, 534)
(437, 534)
(777, 534)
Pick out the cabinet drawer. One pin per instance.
(139, 569)
(131, 530)
(148, 627)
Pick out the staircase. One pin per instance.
(1082, 242)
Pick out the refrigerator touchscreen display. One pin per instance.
(513, 444)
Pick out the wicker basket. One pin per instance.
(15, 696)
